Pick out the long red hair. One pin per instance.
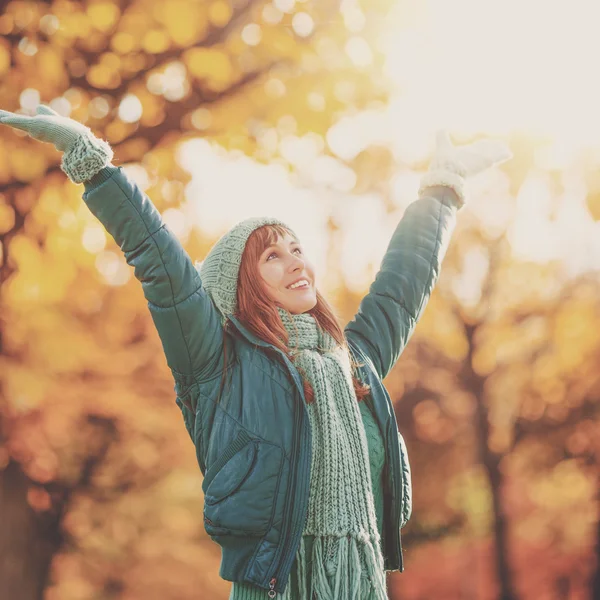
(259, 314)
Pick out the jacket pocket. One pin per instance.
(240, 488)
(406, 506)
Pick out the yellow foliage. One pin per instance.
(186, 21)
(124, 42)
(75, 24)
(4, 58)
(50, 204)
(26, 254)
(219, 13)
(103, 15)
(565, 486)
(118, 130)
(21, 390)
(209, 63)
(110, 60)
(103, 77)
(575, 339)
(5, 168)
(27, 164)
(6, 24)
(7, 217)
(51, 66)
(279, 41)
(469, 493)
(155, 41)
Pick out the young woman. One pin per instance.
(306, 478)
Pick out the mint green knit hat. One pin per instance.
(220, 269)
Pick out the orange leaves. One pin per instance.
(430, 425)
(39, 499)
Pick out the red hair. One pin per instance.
(259, 314)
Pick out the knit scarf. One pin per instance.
(346, 562)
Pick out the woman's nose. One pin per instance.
(296, 262)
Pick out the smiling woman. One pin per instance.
(277, 281)
(307, 483)
(288, 275)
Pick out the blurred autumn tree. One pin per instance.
(497, 394)
(99, 492)
(501, 404)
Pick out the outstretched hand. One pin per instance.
(451, 164)
(84, 154)
(47, 126)
(469, 159)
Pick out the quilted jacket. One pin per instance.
(242, 400)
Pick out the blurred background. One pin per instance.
(322, 113)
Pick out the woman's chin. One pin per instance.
(301, 307)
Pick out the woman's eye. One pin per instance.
(298, 250)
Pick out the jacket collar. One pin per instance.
(248, 335)
(258, 342)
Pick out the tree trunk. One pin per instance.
(28, 540)
(490, 461)
(501, 542)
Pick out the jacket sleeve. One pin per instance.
(410, 268)
(185, 317)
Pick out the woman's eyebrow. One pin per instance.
(275, 244)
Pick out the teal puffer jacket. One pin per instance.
(242, 400)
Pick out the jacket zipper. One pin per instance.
(297, 422)
(283, 566)
(397, 504)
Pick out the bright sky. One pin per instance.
(484, 65)
(471, 66)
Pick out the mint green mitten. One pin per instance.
(84, 154)
(451, 164)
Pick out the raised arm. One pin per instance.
(187, 321)
(410, 268)
(411, 265)
(185, 317)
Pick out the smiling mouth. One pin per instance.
(301, 285)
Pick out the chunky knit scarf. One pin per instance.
(346, 561)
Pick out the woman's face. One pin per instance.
(282, 265)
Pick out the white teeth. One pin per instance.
(298, 284)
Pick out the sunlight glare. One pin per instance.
(497, 67)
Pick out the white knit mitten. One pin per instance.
(451, 165)
(84, 154)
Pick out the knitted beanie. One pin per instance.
(220, 269)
